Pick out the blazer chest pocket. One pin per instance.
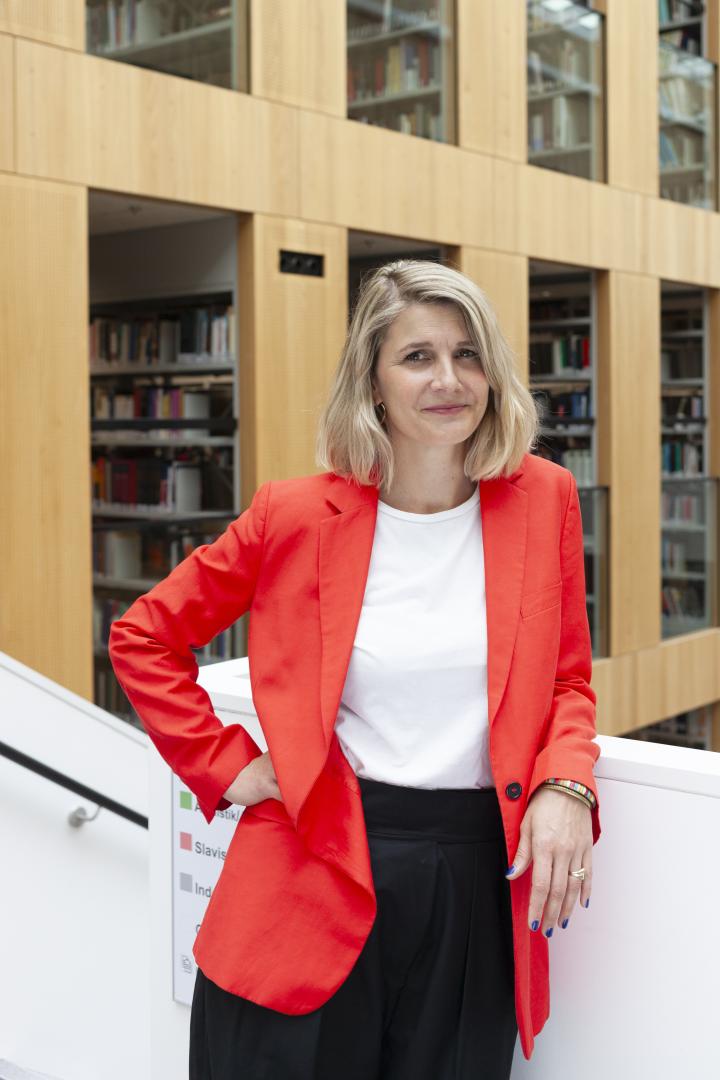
(540, 600)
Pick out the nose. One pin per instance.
(443, 372)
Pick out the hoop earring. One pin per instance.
(381, 419)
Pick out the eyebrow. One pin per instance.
(423, 344)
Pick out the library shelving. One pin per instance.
(689, 495)
(692, 729)
(195, 40)
(566, 89)
(682, 23)
(562, 381)
(401, 66)
(163, 435)
(687, 120)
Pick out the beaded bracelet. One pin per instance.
(573, 794)
(574, 786)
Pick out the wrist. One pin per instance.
(573, 788)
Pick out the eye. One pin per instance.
(470, 352)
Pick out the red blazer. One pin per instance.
(295, 902)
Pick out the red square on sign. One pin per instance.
(186, 841)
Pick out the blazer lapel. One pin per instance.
(346, 541)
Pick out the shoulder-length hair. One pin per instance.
(351, 440)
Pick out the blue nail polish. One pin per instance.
(510, 870)
(534, 925)
(587, 902)
(548, 933)
(564, 923)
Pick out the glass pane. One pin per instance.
(594, 510)
(686, 102)
(195, 39)
(565, 88)
(689, 566)
(401, 66)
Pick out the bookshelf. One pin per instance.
(689, 496)
(691, 729)
(687, 118)
(562, 381)
(565, 89)
(194, 40)
(681, 23)
(163, 428)
(401, 66)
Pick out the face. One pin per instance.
(427, 360)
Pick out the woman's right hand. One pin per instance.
(255, 782)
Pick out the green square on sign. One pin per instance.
(186, 800)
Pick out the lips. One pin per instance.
(445, 408)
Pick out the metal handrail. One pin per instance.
(83, 790)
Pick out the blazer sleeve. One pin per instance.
(150, 651)
(568, 747)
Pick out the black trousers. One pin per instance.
(431, 995)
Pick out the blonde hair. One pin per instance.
(352, 442)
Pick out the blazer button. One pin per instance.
(514, 790)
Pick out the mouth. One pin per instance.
(446, 409)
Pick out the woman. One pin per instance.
(420, 659)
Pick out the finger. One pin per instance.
(558, 887)
(572, 891)
(541, 877)
(523, 855)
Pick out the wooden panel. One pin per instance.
(628, 438)
(46, 568)
(505, 279)
(290, 338)
(491, 84)
(126, 129)
(7, 98)
(643, 687)
(175, 139)
(688, 670)
(298, 53)
(46, 20)
(632, 105)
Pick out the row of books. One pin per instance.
(558, 123)
(685, 407)
(679, 95)
(206, 333)
(687, 599)
(408, 65)
(681, 457)
(578, 461)
(681, 148)
(681, 508)
(145, 554)
(422, 120)
(551, 68)
(690, 192)
(396, 19)
(680, 363)
(153, 402)
(675, 557)
(155, 484)
(540, 16)
(574, 405)
(112, 24)
(676, 10)
(560, 355)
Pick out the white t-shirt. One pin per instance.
(414, 708)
